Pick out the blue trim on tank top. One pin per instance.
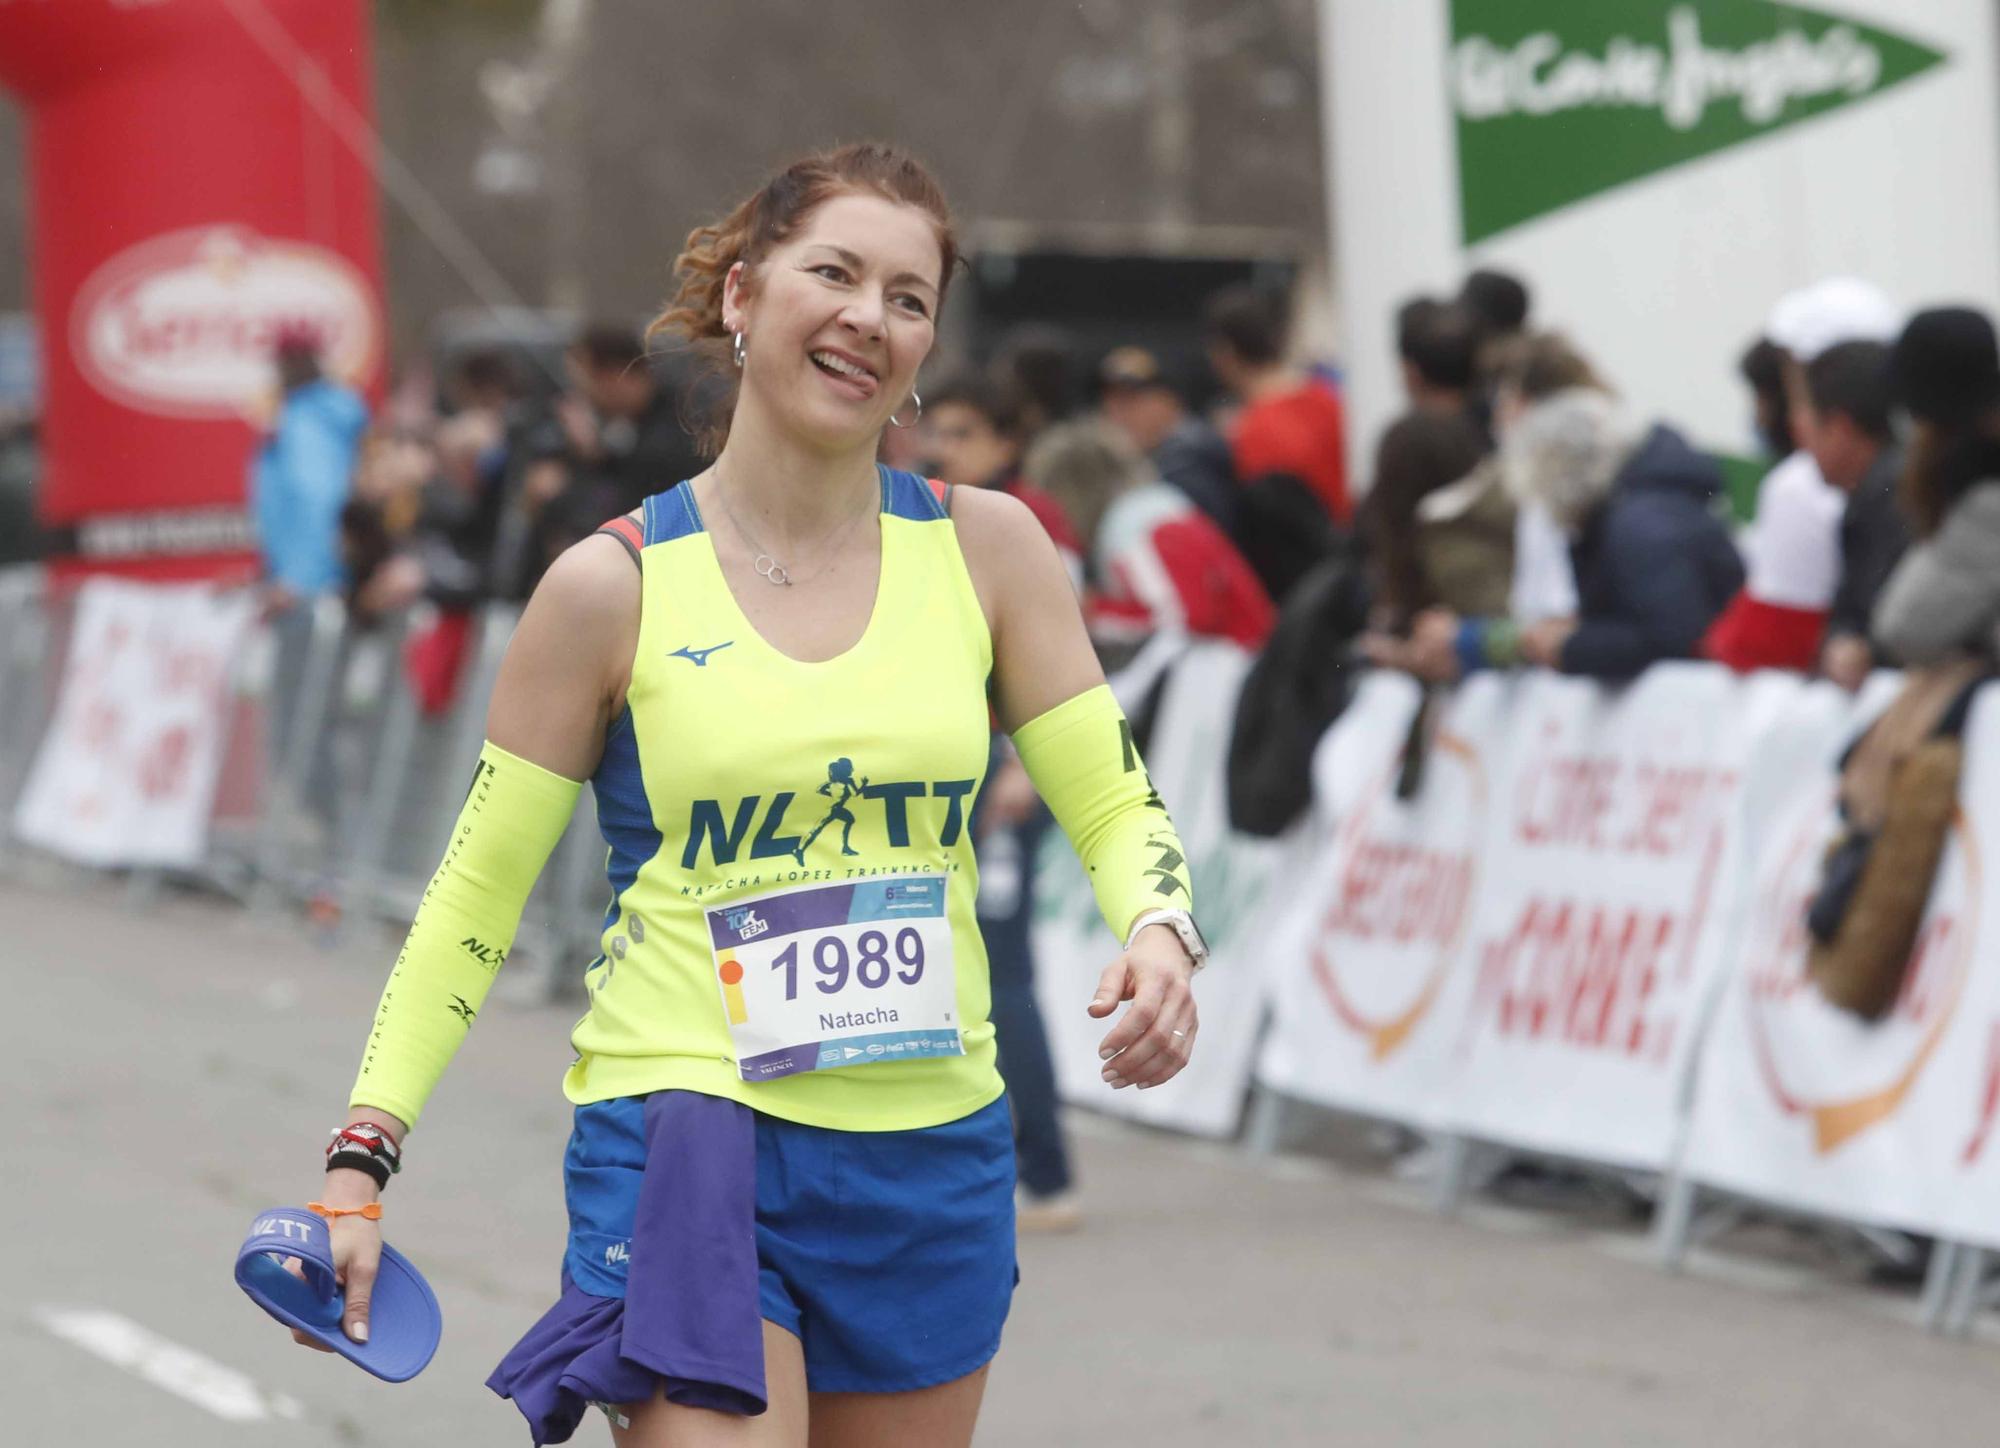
(905, 495)
(624, 813)
(672, 514)
(675, 514)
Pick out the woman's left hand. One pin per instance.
(1156, 1036)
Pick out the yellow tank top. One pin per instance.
(789, 845)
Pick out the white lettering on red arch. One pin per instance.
(184, 324)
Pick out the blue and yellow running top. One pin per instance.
(791, 867)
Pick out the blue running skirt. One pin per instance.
(693, 1220)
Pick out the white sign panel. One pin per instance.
(1806, 1105)
(126, 774)
(1072, 944)
(1370, 992)
(1605, 852)
(1659, 171)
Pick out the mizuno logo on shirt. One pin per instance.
(699, 657)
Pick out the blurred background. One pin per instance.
(1531, 470)
(541, 163)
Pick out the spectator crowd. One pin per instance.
(1521, 511)
(1170, 515)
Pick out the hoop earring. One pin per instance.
(736, 350)
(915, 420)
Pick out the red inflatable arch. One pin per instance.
(191, 191)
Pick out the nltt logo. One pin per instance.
(267, 1226)
(879, 808)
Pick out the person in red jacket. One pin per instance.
(1291, 423)
(1153, 560)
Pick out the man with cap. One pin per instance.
(1136, 397)
(1792, 548)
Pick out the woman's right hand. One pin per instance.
(357, 1252)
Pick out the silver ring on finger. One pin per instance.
(1180, 1033)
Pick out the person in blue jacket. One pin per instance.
(300, 478)
(1652, 559)
(1654, 563)
(301, 474)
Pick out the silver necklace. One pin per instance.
(765, 562)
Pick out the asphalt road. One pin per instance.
(170, 1069)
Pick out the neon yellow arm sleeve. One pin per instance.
(1081, 757)
(514, 814)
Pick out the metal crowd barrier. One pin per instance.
(27, 643)
(401, 778)
(398, 777)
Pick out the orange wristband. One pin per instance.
(373, 1211)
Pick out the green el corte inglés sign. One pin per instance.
(1559, 100)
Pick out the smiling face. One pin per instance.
(836, 321)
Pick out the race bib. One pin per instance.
(837, 975)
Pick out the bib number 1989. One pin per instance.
(837, 976)
(870, 967)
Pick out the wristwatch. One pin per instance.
(1182, 924)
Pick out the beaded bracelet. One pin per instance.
(365, 1148)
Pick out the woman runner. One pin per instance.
(790, 1179)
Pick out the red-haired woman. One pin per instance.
(790, 1181)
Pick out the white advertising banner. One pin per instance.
(1659, 171)
(1185, 757)
(1522, 951)
(1369, 991)
(1605, 850)
(1808, 1106)
(126, 774)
